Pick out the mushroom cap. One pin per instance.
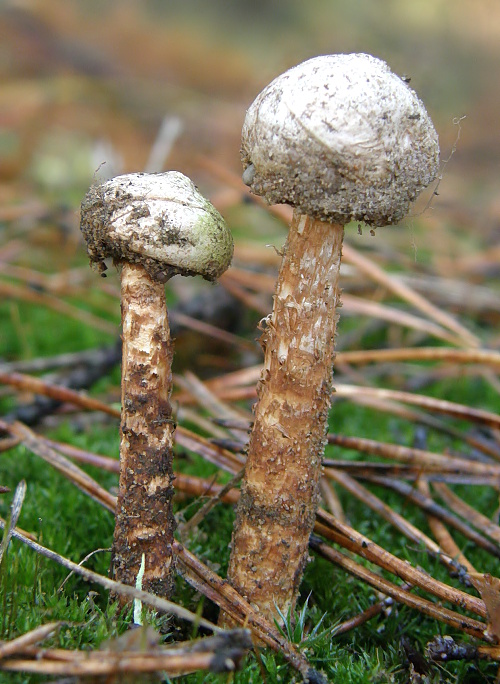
(159, 220)
(340, 138)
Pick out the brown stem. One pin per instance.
(144, 519)
(279, 497)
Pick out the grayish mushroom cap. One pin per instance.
(341, 138)
(159, 220)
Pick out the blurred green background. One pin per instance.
(88, 81)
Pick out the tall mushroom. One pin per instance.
(340, 138)
(153, 226)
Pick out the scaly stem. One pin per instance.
(280, 491)
(144, 519)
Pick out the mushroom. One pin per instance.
(340, 138)
(153, 226)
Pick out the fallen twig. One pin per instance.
(485, 357)
(331, 528)
(386, 512)
(62, 464)
(430, 506)
(413, 456)
(445, 648)
(220, 653)
(19, 644)
(461, 622)
(238, 609)
(29, 383)
(366, 615)
(481, 522)
(448, 408)
(441, 533)
(129, 592)
(366, 470)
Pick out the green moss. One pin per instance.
(32, 590)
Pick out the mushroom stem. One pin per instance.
(155, 226)
(280, 490)
(144, 518)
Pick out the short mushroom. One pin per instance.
(153, 226)
(340, 138)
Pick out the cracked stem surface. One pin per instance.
(144, 519)
(280, 490)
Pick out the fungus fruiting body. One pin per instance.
(153, 226)
(340, 138)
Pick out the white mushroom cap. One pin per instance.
(341, 138)
(159, 220)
